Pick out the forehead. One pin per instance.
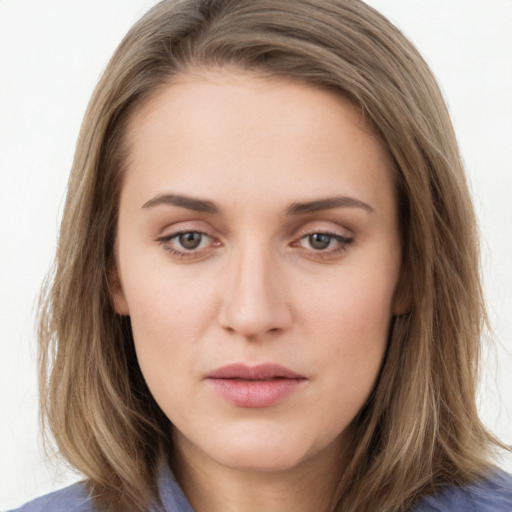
(211, 92)
(231, 130)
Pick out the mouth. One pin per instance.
(264, 385)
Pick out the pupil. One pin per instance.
(319, 241)
(190, 240)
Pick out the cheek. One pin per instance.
(350, 324)
(355, 309)
(169, 317)
(165, 300)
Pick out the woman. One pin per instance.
(266, 293)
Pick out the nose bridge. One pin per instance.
(254, 302)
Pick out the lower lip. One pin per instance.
(255, 393)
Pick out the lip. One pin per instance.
(263, 385)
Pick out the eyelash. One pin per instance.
(344, 243)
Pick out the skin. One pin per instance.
(257, 288)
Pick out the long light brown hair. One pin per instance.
(420, 428)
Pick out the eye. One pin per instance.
(326, 243)
(187, 244)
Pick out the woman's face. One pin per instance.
(257, 256)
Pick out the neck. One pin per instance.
(211, 487)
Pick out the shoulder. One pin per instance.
(74, 498)
(490, 494)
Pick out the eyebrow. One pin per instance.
(327, 204)
(190, 203)
(205, 206)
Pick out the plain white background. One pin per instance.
(51, 55)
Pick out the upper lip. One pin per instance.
(254, 372)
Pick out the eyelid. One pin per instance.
(184, 226)
(328, 228)
(176, 234)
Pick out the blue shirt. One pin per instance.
(493, 494)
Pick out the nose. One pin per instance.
(254, 297)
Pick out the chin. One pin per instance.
(269, 459)
(261, 446)
(268, 452)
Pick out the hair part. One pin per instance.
(420, 428)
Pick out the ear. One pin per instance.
(116, 292)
